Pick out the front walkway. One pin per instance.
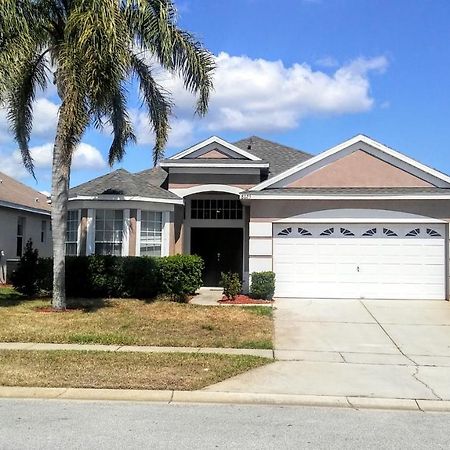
(133, 348)
(352, 348)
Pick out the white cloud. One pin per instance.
(260, 95)
(85, 157)
(45, 116)
(181, 130)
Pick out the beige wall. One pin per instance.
(8, 232)
(272, 210)
(180, 180)
(359, 169)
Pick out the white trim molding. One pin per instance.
(184, 192)
(215, 140)
(107, 197)
(254, 196)
(233, 164)
(350, 215)
(371, 146)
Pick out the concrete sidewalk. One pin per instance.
(134, 348)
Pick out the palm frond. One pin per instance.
(122, 127)
(158, 103)
(20, 100)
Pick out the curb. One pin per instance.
(203, 397)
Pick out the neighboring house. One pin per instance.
(359, 220)
(24, 214)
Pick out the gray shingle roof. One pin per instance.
(14, 193)
(121, 182)
(354, 191)
(280, 157)
(155, 176)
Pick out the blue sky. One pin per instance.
(306, 73)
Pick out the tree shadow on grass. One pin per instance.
(10, 297)
(88, 305)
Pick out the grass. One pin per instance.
(81, 369)
(135, 322)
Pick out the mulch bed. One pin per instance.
(244, 300)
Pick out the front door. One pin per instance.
(221, 250)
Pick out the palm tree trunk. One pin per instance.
(60, 195)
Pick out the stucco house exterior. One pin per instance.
(359, 220)
(24, 214)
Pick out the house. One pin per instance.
(24, 214)
(359, 220)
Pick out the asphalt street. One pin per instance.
(52, 424)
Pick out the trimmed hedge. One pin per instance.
(121, 277)
(262, 285)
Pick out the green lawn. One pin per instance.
(81, 369)
(134, 322)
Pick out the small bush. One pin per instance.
(231, 284)
(25, 278)
(180, 275)
(262, 285)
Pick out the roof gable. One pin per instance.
(218, 148)
(384, 154)
(359, 169)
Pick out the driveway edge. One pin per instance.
(180, 397)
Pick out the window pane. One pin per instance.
(151, 233)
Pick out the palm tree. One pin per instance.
(94, 48)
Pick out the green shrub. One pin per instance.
(45, 270)
(78, 277)
(262, 285)
(25, 278)
(105, 274)
(180, 275)
(231, 284)
(124, 277)
(140, 277)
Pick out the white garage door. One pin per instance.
(386, 261)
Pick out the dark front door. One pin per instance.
(221, 250)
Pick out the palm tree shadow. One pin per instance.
(88, 305)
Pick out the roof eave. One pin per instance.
(107, 197)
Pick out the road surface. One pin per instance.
(52, 424)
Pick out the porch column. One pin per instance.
(132, 230)
(90, 234)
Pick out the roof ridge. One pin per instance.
(273, 142)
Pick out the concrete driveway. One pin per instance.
(360, 348)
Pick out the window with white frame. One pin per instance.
(151, 233)
(72, 232)
(108, 232)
